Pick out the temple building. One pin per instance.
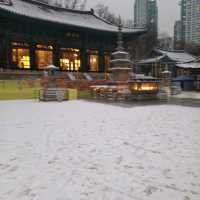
(34, 35)
(177, 62)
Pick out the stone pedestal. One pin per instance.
(121, 74)
(166, 83)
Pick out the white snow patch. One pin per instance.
(90, 151)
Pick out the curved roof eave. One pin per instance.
(80, 19)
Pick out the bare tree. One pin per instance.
(142, 47)
(101, 10)
(104, 12)
(128, 23)
(83, 5)
(74, 4)
(165, 41)
(193, 49)
(71, 4)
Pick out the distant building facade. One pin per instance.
(192, 32)
(178, 35)
(146, 14)
(140, 13)
(183, 19)
(190, 21)
(153, 15)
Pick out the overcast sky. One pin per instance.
(169, 11)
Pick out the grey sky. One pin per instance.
(169, 11)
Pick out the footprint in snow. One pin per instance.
(26, 192)
(119, 160)
(5, 166)
(186, 198)
(150, 190)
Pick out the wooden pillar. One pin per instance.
(160, 69)
(156, 69)
(32, 56)
(83, 57)
(83, 53)
(56, 55)
(2, 56)
(152, 69)
(101, 60)
(8, 53)
(5, 51)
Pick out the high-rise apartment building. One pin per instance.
(183, 18)
(152, 15)
(140, 13)
(146, 14)
(178, 35)
(192, 31)
(190, 21)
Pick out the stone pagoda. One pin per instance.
(121, 65)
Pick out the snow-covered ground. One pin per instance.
(188, 95)
(81, 150)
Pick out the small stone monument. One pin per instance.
(51, 70)
(121, 65)
(166, 80)
(51, 92)
(165, 88)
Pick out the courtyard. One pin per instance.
(81, 150)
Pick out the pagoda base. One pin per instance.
(121, 74)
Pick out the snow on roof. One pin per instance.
(174, 56)
(192, 65)
(177, 56)
(41, 11)
(120, 52)
(151, 60)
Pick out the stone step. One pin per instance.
(53, 94)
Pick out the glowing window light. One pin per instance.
(26, 62)
(94, 62)
(144, 87)
(47, 47)
(70, 59)
(21, 58)
(43, 58)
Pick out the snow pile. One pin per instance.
(89, 151)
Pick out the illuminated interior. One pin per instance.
(94, 63)
(70, 59)
(46, 47)
(93, 60)
(44, 56)
(21, 58)
(107, 61)
(144, 86)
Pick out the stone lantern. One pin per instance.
(51, 69)
(165, 90)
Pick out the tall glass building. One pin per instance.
(183, 18)
(152, 15)
(146, 14)
(140, 13)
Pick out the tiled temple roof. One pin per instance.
(41, 11)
